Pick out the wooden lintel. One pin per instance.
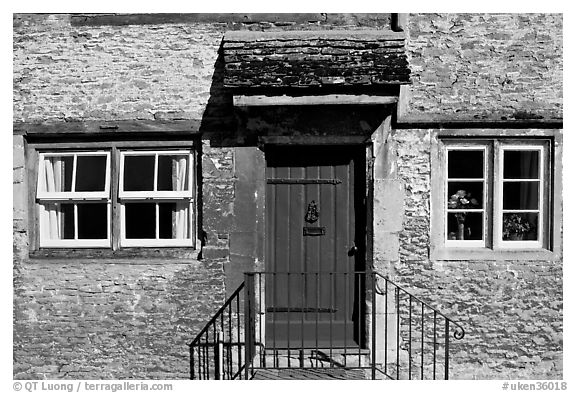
(313, 140)
(466, 123)
(106, 127)
(330, 99)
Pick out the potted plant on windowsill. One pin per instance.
(515, 227)
(461, 200)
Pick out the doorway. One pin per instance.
(315, 242)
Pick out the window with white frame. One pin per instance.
(155, 194)
(152, 191)
(496, 194)
(74, 199)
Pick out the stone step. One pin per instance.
(311, 373)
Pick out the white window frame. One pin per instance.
(493, 190)
(135, 195)
(74, 198)
(75, 243)
(498, 217)
(483, 210)
(156, 197)
(69, 195)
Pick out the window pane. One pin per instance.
(138, 173)
(140, 220)
(59, 221)
(57, 176)
(173, 220)
(465, 164)
(520, 195)
(90, 173)
(520, 226)
(67, 220)
(465, 226)
(465, 195)
(92, 221)
(172, 173)
(521, 164)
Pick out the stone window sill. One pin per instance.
(459, 254)
(139, 256)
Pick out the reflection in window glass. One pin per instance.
(139, 173)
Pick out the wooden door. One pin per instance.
(315, 242)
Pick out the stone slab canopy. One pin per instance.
(274, 61)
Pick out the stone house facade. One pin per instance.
(179, 114)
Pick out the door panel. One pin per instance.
(312, 293)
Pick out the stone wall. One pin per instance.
(485, 66)
(87, 320)
(19, 199)
(64, 72)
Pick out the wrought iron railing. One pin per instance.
(354, 320)
(217, 352)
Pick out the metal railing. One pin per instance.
(354, 320)
(217, 352)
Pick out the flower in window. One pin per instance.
(461, 200)
(515, 226)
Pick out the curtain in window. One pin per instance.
(529, 169)
(181, 219)
(54, 170)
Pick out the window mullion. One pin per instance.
(157, 221)
(157, 206)
(497, 200)
(73, 186)
(155, 172)
(75, 221)
(116, 177)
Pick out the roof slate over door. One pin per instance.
(296, 59)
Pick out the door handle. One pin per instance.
(352, 251)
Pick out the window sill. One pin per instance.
(134, 255)
(458, 254)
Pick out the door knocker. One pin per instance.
(312, 213)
